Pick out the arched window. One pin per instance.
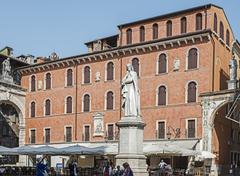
(221, 31)
(162, 95)
(215, 23)
(142, 34)
(155, 31)
(183, 25)
(198, 21)
(129, 36)
(87, 74)
(47, 107)
(110, 71)
(162, 64)
(135, 64)
(169, 28)
(33, 109)
(109, 104)
(227, 37)
(33, 83)
(69, 77)
(69, 105)
(192, 92)
(86, 103)
(48, 81)
(192, 58)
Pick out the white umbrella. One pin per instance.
(6, 151)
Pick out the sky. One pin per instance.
(40, 27)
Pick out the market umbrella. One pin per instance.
(6, 151)
(75, 149)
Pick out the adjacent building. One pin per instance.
(177, 56)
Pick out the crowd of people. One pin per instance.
(110, 170)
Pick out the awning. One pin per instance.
(6, 150)
(205, 155)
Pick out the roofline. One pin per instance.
(120, 47)
(207, 6)
(17, 60)
(116, 35)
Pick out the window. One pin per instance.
(161, 130)
(87, 75)
(155, 31)
(110, 71)
(169, 28)
(48, 81)
(110, 132)
(221, 31)
(68, 135)
(192, 92)
(86, 103)
(192, 58)
(162, 63)
(215, 23)
(135, 64)
(69, 77)
(32, 136)
(33, 109)
(109, 100)
(191, 128)
(142, 34)
(227, 37)
(183, 25)
(33, 83)
(47, 133)
(86, 133)
(129, 36)
(69, 105)
(162, 95)
(47, 107)
(198, 22)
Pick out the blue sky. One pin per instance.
(43, 26)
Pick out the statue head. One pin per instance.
(129, 67)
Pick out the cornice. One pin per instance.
(121, 51)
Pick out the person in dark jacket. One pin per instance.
(73, 168)
(41, 169)
(127, 170)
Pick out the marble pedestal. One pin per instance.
(131, 145)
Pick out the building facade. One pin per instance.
(177, 56)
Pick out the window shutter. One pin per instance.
(192, 92)
(33, 83)
(162, 64)
(192, 58)
(109, 100)
(87, 74)
(129, 36)
(191, 128)
(33, 137)
(135, 64)
(69, 77)
(68, 134)
(48, 81)
(47, 107)
(86, 133)
(142, 34)
(69, 104)
(110, 132)
(183, 25)
(47, 135)
(199, 21)
(162, 95)
(110, 70)
(169, 28)
(86, 103)
(155, 31)
(33, 109)
(161, 130)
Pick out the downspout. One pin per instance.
(120, 81)
(213, 62)
(76, 102)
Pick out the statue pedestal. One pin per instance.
(131, 145)
(232, 84)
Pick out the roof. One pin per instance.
(207, 6)
(15, 60)
(105, 38)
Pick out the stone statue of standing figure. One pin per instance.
(130, 93)
(6, 68)
(233, 69)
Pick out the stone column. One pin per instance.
(130, 147)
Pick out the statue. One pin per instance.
(130, 93)
(233, 69)
(6, 68)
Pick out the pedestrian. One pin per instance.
(118, 171)
(41, 168)
(127, 170)
(162, 166)
(73, 168)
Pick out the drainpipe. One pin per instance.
(76, 90)
(120, 81)
(213, 62)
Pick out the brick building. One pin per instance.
(177, 56)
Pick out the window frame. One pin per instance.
(221, 31)
(142, 33)
(44, 107)
(200, 27)
(45, 81)
(65, 111)
(66, 77)
(30, 83)
(65, 133)
(44, 132)
(139, 65)
(129, 36)
(84, 136)
(215, 23)
(105, 104)
(114, 128)
(86, 93)
(157, 90)
(186, 127)
(183, 25)
(30, 107)
(169, 28)
(157, 65)
(186, 91)
(198, 58)
(83, 75)
(30, 136)
(155, 34)
(106, 71)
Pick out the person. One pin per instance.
(130, 93)
(127, 170)
(108, 170)
(41, 168)
(162, 166)
(118, 171)
(73, 168)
